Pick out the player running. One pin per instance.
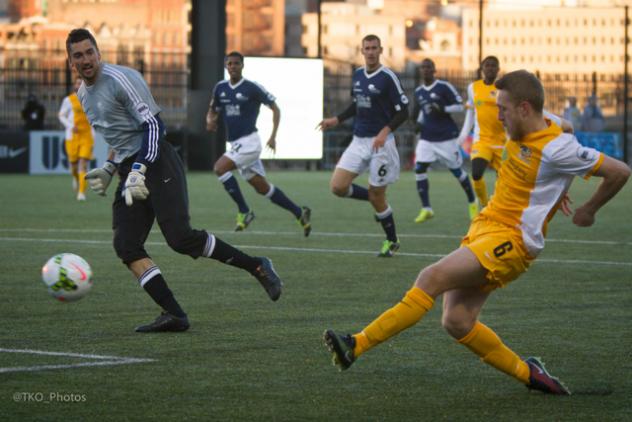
(79, 139)
(379, 106)
(238, 101)
(435, 100)
(152, 184)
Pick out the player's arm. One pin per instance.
(567, 127)
(335, 121)
(454, 102)
(99, 178)
(212, 116)
(615, 174)
(400, 101)
(276, 119)
(467, 126)
(65, 114)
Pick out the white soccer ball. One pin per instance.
(68, 277)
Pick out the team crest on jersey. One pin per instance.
(223, 94)
(240, 97)
(142, 109)
(373, 90)
(586, 154)
(525, 153)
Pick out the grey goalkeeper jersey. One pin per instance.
(121, 108)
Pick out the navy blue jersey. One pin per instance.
(239, 105)
(435, 103)
(378, 96)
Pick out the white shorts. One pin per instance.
(383, 165)
(245, 152)
(447, 152)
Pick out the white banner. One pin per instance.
(48, 155)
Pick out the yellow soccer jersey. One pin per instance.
(80, 118)
(482, 99)
(535, 174)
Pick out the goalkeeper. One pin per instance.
(152, 183)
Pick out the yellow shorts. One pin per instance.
(80, 146)
(499, 249)
(489, 150)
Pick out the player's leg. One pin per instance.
(424, 156)
(171, 205)
(460, 269)
(86, 144)
(461, 308)
(353, 161)
(223, 169)
(383, 171)
(449, 153)
(72, 153)
(258, 181)
(482, 156)
(131, 227)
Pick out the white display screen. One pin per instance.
(297, 85)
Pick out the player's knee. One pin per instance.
(127, 253)
(477, 174)
(421, 168)
(457, 323)
(339, 190)
(219, 171)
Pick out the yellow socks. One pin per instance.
(405, 314)
(82, 181)
(485, 343)
(480, 188)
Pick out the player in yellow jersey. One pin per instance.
(489, 133)
(79, 140)
(539, 164)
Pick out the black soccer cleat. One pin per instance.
(165, 322)
(305, 221)
(341, 348)
(541, 380)
(269, 279)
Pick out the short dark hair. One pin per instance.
(490, 58)
(372, 37)
(523, 86)
(78, 35)
(235, 54)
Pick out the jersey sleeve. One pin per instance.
(566, 155)
(470, 96)
(66, 114)
(396, 93)
(451, 95)
(263, 95)
(132, 91)
(215, 104)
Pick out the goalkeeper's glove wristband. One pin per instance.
(135, 188)
(99, 179)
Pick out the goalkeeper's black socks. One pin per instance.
(227, 254)
(156, 287)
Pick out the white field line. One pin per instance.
(99, 360)
(317, 234)
(313, 250)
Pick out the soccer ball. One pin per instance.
(68, 277)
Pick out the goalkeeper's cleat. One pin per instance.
(472, 208)
(244, 220)
(341, 348)
(541, 380)
(424, 215)
(388, 248)
(269, 279)
(81, 196)
(165, 322)
(305, 220)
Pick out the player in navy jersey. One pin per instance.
(238, 101)
(379, 106)
(435, 100)
(152, 184)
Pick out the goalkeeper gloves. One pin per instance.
(99, 179)
(135, 188)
